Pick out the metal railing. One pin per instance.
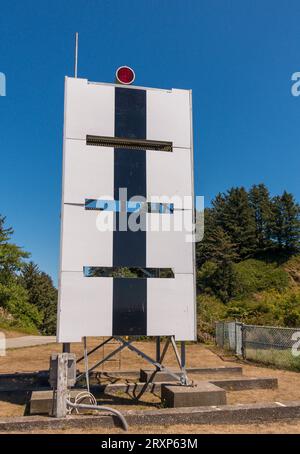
(270, 345)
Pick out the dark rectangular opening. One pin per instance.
(134, 144)
(131, 206)
(127, 272)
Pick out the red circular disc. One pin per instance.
(125, 75)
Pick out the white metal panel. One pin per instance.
(88, 172)
(171, 307)
(83, 244)
(168, 248)
(89, 109)
(85, 304)
(168, 116)
(169, 173)
(85, 307)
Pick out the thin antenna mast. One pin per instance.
(76, 55)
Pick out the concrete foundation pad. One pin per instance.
(224, 414)
(31, 381)
(135, 388)
(228, 384)
(244, 383)
(23, 381)
(160, 376)
(41, 402)
(202, 394)
(154, 376)
(221, 370)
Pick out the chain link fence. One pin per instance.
(269, 345)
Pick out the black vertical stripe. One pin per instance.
(129, 248)
(130, 307)
(130, 172)
(130, 113)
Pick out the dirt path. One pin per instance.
(29, 341)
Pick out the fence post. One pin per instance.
(216, 333)
(223, 335)
(235, 336)
(243, 340)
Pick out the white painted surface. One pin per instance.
(86, 308)
(169, 173)
(82, 243)
(90, 109)
(170, 307)
(169, 249)
(168, 116)
(89, 172)
(85, 304)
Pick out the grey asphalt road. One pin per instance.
(29, 341)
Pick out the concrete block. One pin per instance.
(221, 370)
(156, 376)
(202, 394)
(242, 384)
(41, 402)
(228, 414)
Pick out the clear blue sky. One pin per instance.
(237, 56)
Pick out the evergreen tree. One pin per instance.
(215, 257)
(216, 244)
(286, 223)
(11, 256)
(234, 214)
(260, 202)
(42, 294)
(16, 309)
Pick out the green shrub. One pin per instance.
(14, 300)
(209, 310)
(255, 276)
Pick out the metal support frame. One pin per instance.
(182, 356)
(95, 349)
(110, 355)
(66, 348)
(158, 349)
(181, 376)
(86, 364)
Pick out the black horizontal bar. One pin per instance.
(135, 144)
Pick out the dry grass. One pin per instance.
(37, 358)
(13, 333)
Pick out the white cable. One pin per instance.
(82, 395)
